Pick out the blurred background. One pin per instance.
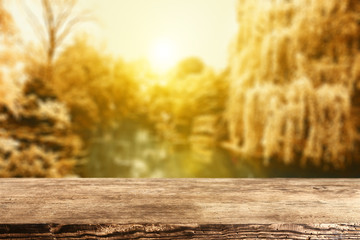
(170, 88)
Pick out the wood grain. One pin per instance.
(180, 208)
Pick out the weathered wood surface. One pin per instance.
(179, 209)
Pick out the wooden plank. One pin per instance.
(173, 231)
(180, 208)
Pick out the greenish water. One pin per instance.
(136, 151)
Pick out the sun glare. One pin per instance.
(162, 55)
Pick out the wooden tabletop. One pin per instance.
(180, 208)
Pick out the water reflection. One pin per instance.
(136, 151)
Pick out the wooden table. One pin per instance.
(179, 209)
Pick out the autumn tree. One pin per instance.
(102, 94)
(8, 61)
(81, 75)
(128, 81)
(295, 82)
(59, 18)
(186, 110)
(56, 25)
(35, 137)
(99, 90)
(196, 91)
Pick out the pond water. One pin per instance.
(136, 151)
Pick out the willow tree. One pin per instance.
(295, 71)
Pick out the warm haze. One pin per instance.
(163, 31)
(168, 30)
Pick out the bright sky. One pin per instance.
(166, 31)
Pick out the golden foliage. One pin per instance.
(10, 61)
(6, 22)
(80, 75)
(99, 90)
(294, 71)
(35, 136)
(37, 142)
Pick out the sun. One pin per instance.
(162, 55)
